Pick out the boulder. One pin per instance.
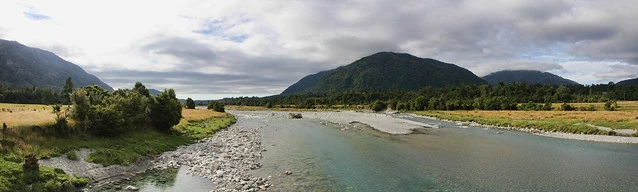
(294, 115)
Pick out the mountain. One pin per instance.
(154, 92)
(529, 76)
(385, 71)
(628, 82)
(26, 66)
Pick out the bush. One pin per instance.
(72, 155)
(216, 106)
(166, 110)
(567, 107)
(378, 106)
(611, 105)
(190, 104)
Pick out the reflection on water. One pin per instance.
(324, 157)
(168, 180)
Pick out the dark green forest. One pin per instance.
(503, 96)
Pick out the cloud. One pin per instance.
(282, 41)
(33, 14)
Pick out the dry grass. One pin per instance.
(625, 118)
(17, 115)
(199, 114)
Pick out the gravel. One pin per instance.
(225, 159)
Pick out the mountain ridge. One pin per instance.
(527, 76)
(22, 66)
(628, 82)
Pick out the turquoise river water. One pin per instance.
(327, 157)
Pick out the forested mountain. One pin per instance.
(527, 76)
(628, 82)
(22, 66)
(385, 71)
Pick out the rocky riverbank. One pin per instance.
(224, 158)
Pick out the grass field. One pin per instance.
(626, 117)
(16, 115)
(29, 135)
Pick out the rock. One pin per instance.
(288, 172)
(131, 188)
(294, 115)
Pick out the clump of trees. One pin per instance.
(216, 106)
(100, 112)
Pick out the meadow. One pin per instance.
(624, 119)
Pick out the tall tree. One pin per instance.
(141, 89)
(67, 90)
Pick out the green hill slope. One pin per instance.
(385, 71)
(25, 66)
(528, 76)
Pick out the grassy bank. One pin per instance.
(559, 121)
(25, 138)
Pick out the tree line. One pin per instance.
(503, 96)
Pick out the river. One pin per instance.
(325, 157)
(322, 156)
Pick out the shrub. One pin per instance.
(72, 155)
(566, 107)
(166, 110)
(190, 104)
(216, 106)
(611, 105)
(378, 106)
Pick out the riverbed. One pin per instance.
(324, 156)
(319, 153)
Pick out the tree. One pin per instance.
(67, 90)
(141, 89)
(166, 110)
(269, 105)
(190, 104)
(216, 106)
(60, 119)
(378, 106)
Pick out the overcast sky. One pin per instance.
(213, 49)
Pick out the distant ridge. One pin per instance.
(385, 71)
(26, 66)
(527, 76)
(628, 82)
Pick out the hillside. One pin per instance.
(628, 82)
(385, 71)
(26, 66)
(528, 76)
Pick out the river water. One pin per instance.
(328, 157)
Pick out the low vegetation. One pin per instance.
(119, 126)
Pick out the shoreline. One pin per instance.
(571, 136)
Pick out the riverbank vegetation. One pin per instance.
(119, 126)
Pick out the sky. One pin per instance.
(214, 49)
